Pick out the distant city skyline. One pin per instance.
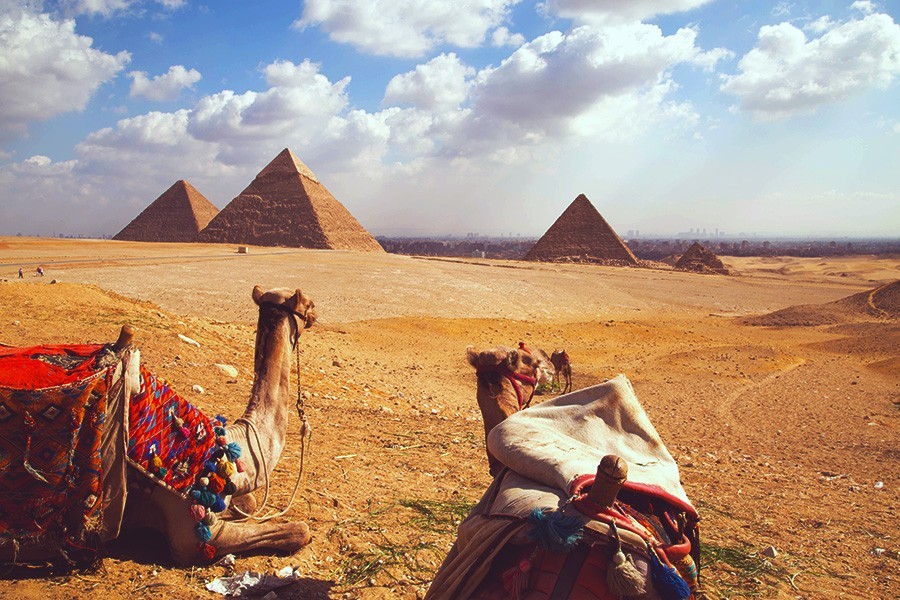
(426, 119)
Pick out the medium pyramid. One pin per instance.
(286, 205)
(177, 215)
(581, 234)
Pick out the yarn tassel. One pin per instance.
(232, 451)
(554, 531)
(207, 551)
(623, 578)
(668, 583)
(516, 579)
(202, 532)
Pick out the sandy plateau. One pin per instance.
(786, 436)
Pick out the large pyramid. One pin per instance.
(286, 205)
(581, 234)
(177, 215)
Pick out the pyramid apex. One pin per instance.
(287, 164)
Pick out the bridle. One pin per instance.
(514, 378)
(295, 328)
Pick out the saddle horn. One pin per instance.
(125, 337)
(611, 474)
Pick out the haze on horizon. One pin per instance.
(483, 116)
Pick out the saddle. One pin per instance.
(72, 417)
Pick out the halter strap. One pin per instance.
(514, 379)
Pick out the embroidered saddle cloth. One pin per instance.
(71, 418)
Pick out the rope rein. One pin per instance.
(304, 433)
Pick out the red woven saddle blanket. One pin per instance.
(61, 407)
(52, 411)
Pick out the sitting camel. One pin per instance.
(260, 434)
(507, 379)
(560, 360)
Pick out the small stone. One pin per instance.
(878, 552)
(188, 340)
(879, 485)
(770, 552)
(227, 370)
(52, 281)
(16, 323)
(197, 389)
(336, 363)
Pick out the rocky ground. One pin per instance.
(786, 436)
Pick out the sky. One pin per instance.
(437, 117)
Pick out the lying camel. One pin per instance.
(506, 382)
(260, 433)
(561, 364)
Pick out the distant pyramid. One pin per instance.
(700, 260)
(286, 205)
(177, 215)
(581, 234)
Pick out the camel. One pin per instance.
(506, 382)
(561, 365)
(588, 504)
(260, 432)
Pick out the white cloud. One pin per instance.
(820, 25)
(786, 73)
(162, 87)
(156, 38)
(618, 10)
(408, 28)
(47, 69)
(502, 37)
(864, 6)
(107, 8)
(437, 85)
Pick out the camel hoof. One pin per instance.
(300, 534)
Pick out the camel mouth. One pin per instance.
(309, 319)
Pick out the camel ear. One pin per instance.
(294, 301)
(472, 356)
(512, 359)
(257, 293)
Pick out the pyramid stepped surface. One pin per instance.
(286, 205)
(700, 260)
(177, 215)
(581, 234)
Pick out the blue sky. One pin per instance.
(430, 117)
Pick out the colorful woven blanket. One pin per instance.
(52, 410)
(65, 412)
(169, 438)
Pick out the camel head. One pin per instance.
(292, 301)
(502, 360)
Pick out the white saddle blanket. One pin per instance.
(556, 441)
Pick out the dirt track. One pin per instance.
(781, 434)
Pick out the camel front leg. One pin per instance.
(233, 538)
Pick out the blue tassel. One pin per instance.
(222, 420)
(209, 466)
(202, 532)
(553, 531)
(218, 505)
(219, 431)
(668, 583)
(232, 451)
(207, 499)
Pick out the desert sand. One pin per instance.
(786, 436)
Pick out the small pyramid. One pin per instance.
(286, 205)
(177, 215)
(581, 234)
(698, 259)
